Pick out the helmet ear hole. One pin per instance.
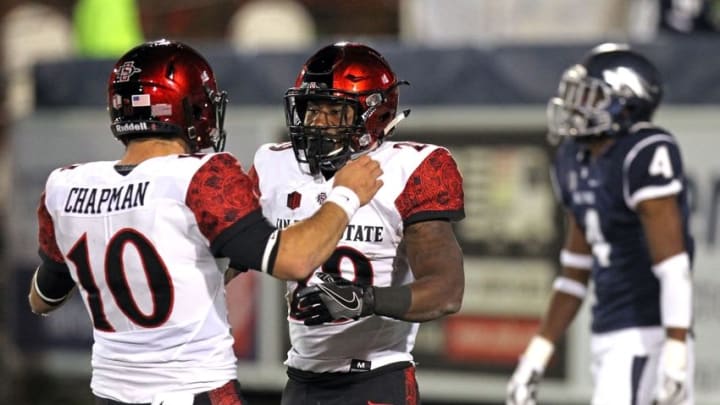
(638, 111)
(197, 112)
(385, 117)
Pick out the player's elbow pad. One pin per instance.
(675, 290)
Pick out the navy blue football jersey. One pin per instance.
(602, 194)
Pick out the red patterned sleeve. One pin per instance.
(433, 191)
(220, 194)
(46, 234)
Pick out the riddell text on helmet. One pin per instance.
(131, 126)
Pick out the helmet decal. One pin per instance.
(625, 81)
(140, 100)
(126, 70)
(160, 110)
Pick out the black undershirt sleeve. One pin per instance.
(245, 242)
(53, 280)
(452, 216)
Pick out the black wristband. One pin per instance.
(392, 301)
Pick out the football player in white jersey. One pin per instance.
(145, 238)
(620, 179)
(353, 323)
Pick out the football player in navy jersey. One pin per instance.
(353, 322)
(620, 179)
(145, 239)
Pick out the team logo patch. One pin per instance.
(321, 198)
(126, 70)
(293, 200)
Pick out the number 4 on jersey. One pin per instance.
(594, 236)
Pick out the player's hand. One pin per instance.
(361, 176)
(523, 386)
(334, 298)
(672, 386)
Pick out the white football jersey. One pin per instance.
(421, 182)
(138, 247)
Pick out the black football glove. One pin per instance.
(334, 298)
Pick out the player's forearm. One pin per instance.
(49, 290)
(307, 244)
(439, 285)
(434, 297)
(37, 305)
(561, 312)
(676, 333)
(675, 293)
(40, 307)
(436, 260)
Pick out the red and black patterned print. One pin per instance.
(436, 185)
(225, 395)
(220, 194)
(46, 233)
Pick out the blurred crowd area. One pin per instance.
(34, 31)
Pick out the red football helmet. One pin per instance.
(166, 89)
(349, 76)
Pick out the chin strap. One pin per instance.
(390, 127)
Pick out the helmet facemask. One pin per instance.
(216, 136)
(610, 91)
(327, 127)
(584, 106)
(356, 80)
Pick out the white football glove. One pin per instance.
(672, 386)
(523, 386)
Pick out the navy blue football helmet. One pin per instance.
(612, 89)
